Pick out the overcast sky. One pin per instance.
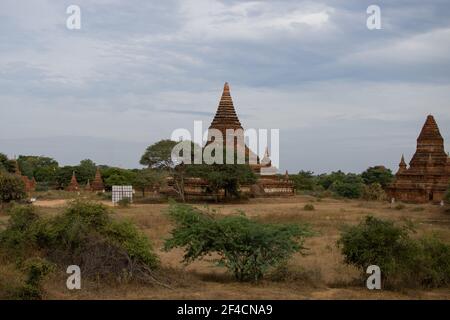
(344, 97)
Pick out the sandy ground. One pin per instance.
(319, 275)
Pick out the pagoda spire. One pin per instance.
(226, 117)
(73, 185)
(402, 165)
(97, 184)
(430, 130)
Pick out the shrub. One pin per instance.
(36, 269)
(124, 202)
(403, 261)
(309, 207)
(85, 235)
(373, 191)
(11, 187)
(248, 249)
(400, 206)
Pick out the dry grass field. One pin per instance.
(319, 275)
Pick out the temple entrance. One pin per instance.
(430, 196)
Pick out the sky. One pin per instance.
(343, 96)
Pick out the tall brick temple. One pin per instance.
(268, 184)
(428, 175)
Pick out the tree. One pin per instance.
(228, 177)
(148, 178)
(304, 180)
(117, 176)
(350, 186)
(378, 174)
(326, 180)
(29, 165)
(159, 155)
(85, 171)
(12, 187)
(247, 248)
(6, 164)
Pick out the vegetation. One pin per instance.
(148, 179)
(85, 235)
(159, 155)
(248, 249)
(373, 191)
(6, 164)
(309, 207)
(403, 261)
(12, 187)
(227, 177)
(378, 174)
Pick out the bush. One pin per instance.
(248, 249)
(11, 187)
(350, 186)
(36, 269)
(124, 202)
(85, 235)
(403, 261)
(309, 207)
(373, 192)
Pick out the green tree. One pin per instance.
(159, 155)
(377, 174)
(85, 171)
(29, 165)
(227, 177)
(247, 248)
(11, 187)
(117, 176)
(6, 164)
(326, 180)
(304, 180)
(148, 178)
(349, 186)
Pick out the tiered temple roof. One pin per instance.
(428, 174)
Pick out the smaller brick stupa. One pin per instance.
(88, 187)
(73, 185)
(97, 184)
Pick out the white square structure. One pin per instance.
(121, 192)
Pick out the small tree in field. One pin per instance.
(248, 249)
(11, 187)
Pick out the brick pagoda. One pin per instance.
(73, 185)
(97, 184)
(269, 183)
(428, 175)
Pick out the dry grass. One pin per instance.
(319, 275)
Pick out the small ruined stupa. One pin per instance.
(73, 185)
(427, 177)
(97, 184)
(88, 187)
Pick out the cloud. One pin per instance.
(136, 72)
